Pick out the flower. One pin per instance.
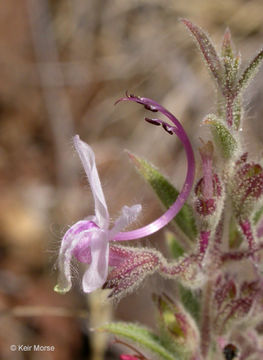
(88, 240)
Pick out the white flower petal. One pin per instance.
(96, 275)
(79, 232)
(87, 158)
(128, 216)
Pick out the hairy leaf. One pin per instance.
(258, 215)
(190, 301)
(173, 245)
(222, 136)
(226, 49)
(141, 337)
(208, 50)
(250, 72)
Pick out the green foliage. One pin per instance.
(250, 72)
(174, 246)
(235, 236)
(190, 301)
(237, 112)
(143, 339)
(167, 193)
(226, 49)
(231, 65)
(258, 215)
(223, 138)
(208, 50)
(178, 330)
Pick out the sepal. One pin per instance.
(232, 301)
(131, 268)
(246, 188)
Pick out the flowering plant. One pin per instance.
(216, 313)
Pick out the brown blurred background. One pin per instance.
(63, 65)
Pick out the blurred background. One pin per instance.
(63, 65)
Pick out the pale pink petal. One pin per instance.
(128, 216)
(78, 233)
(97, 272)
(87, 158)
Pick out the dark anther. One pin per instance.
(151, 108)
(166, 129)
(230, 352)
(152, 121)
(132, 96)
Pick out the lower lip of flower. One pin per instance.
(82, 250)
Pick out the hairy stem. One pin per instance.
(206, 319)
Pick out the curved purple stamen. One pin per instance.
(188, 183)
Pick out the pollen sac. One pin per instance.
(206, 206)
(151, 108)
(247, 187)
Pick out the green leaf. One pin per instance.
(190, 301)
(178, 330)
(250, 72)
(226, 49)
(237, 112)
(174, 246)
(222, 136)
(258, 215)
(235, 236)
(167, 193)
(208, 50)
(141, 337)
(231, 64)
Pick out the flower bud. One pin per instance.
(203, 205)
(208, 191)
(177, 324)
(246, 187)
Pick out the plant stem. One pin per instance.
(206, 319)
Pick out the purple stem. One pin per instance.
(203, 243)
(247, 232)
(260, 230)
(181, 199)
(196, 258)
(229, 111)
(239, 255)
